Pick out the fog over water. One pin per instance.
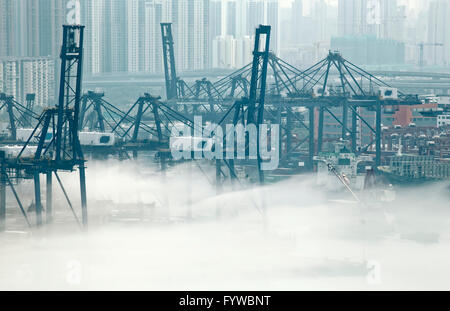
(308, 241)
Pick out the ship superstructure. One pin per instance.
(351, 167)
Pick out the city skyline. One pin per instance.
(226, 146)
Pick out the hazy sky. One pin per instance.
(287, 3)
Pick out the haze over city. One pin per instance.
(224, 145)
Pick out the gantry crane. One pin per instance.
(18, 114)
(56, 135)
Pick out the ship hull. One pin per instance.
(408, 181)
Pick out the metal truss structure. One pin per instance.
(18, 114)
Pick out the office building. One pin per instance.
(232, 53)
(215, 23)
(224, 50)
(263, 12)
(115, 36)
